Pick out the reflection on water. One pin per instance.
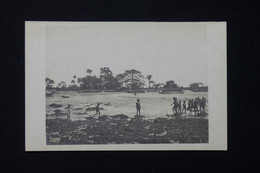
(153, 105)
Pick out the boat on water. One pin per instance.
(48, 93)
(171, 91)
(138, 91)
(110, 91)
(200, 89)
(89, 91)
(66, 96)
(151, 90)
(55, 91)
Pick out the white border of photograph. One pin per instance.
(35, 119)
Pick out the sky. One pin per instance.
(167, 51)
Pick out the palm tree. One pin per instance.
(74, 79)
(149, 77)
(89, 71)
(49, 83)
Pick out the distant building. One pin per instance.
(197, 85)
(158, 85)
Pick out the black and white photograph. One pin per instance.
(127, 84)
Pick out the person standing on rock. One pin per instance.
(138, 107)
(97, 110)
(68, 112)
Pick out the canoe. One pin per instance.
(109, 90)
(65, 96)
(89, 91)
(48, 93)
(171, 92)
(138, 91)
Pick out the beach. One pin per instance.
(153, 105)
(118, 123)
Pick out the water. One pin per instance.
(153, 105)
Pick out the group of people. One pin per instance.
(196, 105)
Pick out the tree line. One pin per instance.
(130, 79)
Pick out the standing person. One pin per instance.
(184, 107)
(192, 105)
(97, 110)
(196, 105)
(68, 112)
(174, 108)
(199, 104)
(138, 107)
(189, 106)
(179, 107)
(203, 104)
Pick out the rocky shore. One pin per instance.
(120, 129)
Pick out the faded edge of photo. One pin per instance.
(35, 127)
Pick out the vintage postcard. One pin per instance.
(125, 86)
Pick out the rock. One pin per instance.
(119, 129)
(160, 120)
(202, 114)
(162, 134)
(58, 112)
(103, 117)
(55, 105)
(120, 116)
(107, 103)
(177, 114)
(139, 116)
(94, 108)
(78, 109)
(54, 140)
(81, 113)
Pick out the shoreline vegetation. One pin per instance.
(131, 81)
(121, 129)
